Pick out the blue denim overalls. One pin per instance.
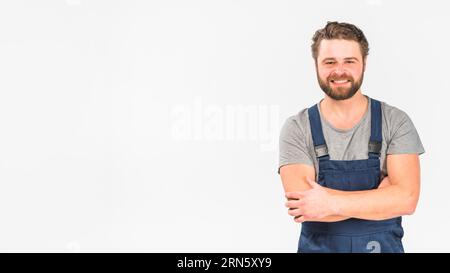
(351, 235)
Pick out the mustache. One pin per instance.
(339, 78)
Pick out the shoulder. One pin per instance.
(394, 116)
(395, 120)
(392, 113)
(401, 133)
(297, 122)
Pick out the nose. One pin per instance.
(339, 71)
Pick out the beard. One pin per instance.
(343, 92)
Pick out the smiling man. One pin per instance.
(349, 164)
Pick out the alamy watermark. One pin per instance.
(199, 121)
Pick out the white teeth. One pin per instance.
(342, 81)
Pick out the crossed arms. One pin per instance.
(397, 194)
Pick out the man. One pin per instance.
(349, 164)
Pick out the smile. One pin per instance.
(340, 82)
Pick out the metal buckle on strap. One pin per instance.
(374, 147)
(321, 150)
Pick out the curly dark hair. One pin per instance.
(336, 30)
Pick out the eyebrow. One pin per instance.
(333, 59)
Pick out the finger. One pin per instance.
(295, 212)
(300, 219)
(295, 195)
(292, 195)
(291, 204)
(291, 199)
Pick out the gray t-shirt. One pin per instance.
(399, 137)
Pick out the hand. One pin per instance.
(315, 203)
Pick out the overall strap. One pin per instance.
(375, 129)
(320, 147)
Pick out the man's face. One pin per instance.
(340, 68)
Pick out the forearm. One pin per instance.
(395, 196)
(328, 219)
(378, 204)
(336, 218)
(331, 218)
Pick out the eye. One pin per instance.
(350, 62)
(329, 62)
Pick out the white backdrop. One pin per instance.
(153, 125)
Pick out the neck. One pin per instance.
(345, 108)
(344, 114)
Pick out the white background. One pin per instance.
(113, 134)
